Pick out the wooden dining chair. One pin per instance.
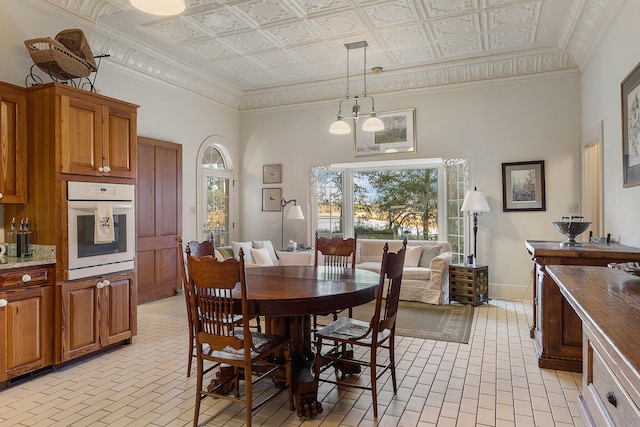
(218, 340)
(335, 252)
(379, 332)
(198, 249)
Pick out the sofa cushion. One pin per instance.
(429, 252)
(370, 265)
(226, 252)
(412, 256)
(246, 248)
(261, 257)
(269, 247)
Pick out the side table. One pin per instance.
(469, 284)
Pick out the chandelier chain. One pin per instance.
(348, 94)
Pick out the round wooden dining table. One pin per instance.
(287, 296)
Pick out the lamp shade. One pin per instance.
(372, 124)
(340, 127)
(295, 212)
(159, 7)
(475, 201)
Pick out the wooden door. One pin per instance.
(13, 144)
(158, 218)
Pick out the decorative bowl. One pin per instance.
(571, 228)
(629, 267)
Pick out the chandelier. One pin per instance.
(373, 123)
(159, 7)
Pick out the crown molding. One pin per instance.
(587, 22)
(493, 67)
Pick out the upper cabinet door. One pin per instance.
(13, 144)
(97, 137)
(81, 136)
(119, 153)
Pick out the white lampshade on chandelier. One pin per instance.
(372, 123)
(159, 7)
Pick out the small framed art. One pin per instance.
(272, 174)
(271, 198)
(523, 186)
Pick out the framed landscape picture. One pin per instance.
(630, 88)
(398, 135)
(523, 186)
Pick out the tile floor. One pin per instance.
(492, 381)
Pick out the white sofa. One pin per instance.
(426, 273)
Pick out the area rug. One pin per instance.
(451, 322)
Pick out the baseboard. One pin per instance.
(505, 291)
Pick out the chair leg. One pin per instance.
(259, 326)
(191, 348)
(374, 388)
(288, 370)
(200, 374)
(392, 363)
(248, 393)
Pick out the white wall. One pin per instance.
(516, 120)
(165, 112)
(614, 58)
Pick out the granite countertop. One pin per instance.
(42, 255)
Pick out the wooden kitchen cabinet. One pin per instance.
(557, 329)
(13, 144)
(26, 317)
(606, 300)
(94, 135)
(95, 313)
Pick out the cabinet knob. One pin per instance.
(105, 282)
(107, 169)
(0, 195)
(100, 169)
(99, 285)
(3, 303)
(611, 398)
(26, 278)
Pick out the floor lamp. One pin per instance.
(474, 204)
(294, 213)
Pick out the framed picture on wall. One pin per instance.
(398, 135)
(523, 186)
(271, 198)
(630, 89)
(271, 174)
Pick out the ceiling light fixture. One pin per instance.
(373, 123)
(159, 7)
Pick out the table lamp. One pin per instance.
(295, 212)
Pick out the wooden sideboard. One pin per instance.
(556, 329)
(608, 303)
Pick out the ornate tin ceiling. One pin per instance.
(259, 53)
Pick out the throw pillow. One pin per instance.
(246, 248)
(269, 247)
(428, 253)
(412, 256)
(261, 257)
